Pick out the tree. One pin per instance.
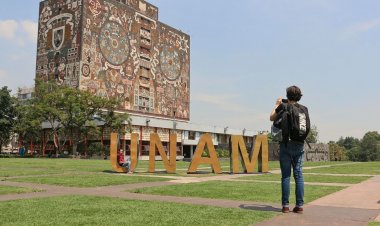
(351, 145)
(46, 101)
(79, 108)
(370, 147)
(337, 153)
(366, 149)
(348, 142)
(70, 114)
(28, 123)
(354, 153)
(115, 122)
(7, 115)
(312, 137)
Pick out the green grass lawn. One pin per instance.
(374, 223)
(79, 210)
(310, 178)
(35, 166)
(89, 180)
(24, 167)
(248, 191)
(312, 164)
(371, 168)
(5, 190)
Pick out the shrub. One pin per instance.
(95, 148)
(222, 153)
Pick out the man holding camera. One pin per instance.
(294, 121)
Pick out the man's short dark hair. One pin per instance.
(293, 93)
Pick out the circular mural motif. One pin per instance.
(170, 63)
(85, 70)
(113, 43)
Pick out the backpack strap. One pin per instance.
(285, 124)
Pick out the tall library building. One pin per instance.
(119, 49)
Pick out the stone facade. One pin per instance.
(317, 153)
(116, 49)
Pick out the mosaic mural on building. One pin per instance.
(117, 49)
(59, 38)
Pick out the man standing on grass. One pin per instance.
(293, 119)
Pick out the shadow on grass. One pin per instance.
(140, 172)
(164, 172)
(260, 207)
(209, 172)
(110, 172)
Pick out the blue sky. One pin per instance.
(245, 53)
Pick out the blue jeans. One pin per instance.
(291, 156)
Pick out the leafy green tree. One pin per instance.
(370, 147)
(28, 125)
(352, 147)
(312, 137)
(115, 122)
(79, 108)
(47, 102)
(366, 149)
(7, 115)
(348, 142)
(354, 153)
(70, 114)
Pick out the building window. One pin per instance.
(191, 135)
(145, 72)
(144, 58)
(145, 41)
(186, 135)
(145, 21)
(144, 50)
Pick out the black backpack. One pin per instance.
(294, 122)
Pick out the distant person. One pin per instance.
(122, 162)
(21, 151)
(127, 164)
(295, 124)
(120, 157)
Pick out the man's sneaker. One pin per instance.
(298, 209)
(285, 209)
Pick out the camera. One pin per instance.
(285, 100)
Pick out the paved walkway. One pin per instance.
(355, 205)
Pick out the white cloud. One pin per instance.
(31, 29)
(18, 32)
(363, 27)
(8, 29)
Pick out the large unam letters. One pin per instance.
(198, 159)
(249, 165)
(259, 154)
(113, 154)
(133, 149)
(170, 165)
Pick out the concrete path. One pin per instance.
(355, 205)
